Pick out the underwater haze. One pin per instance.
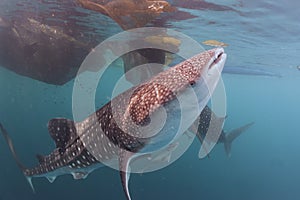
(262, 82)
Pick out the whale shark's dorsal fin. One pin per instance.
(62, 131)
(40, 158)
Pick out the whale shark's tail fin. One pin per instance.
(11, 147)
(16, 157)
(232, 135)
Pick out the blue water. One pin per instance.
(265, 160)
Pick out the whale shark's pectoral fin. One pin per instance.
(62, 131)
(194, 130)
(203, 144)
(124, 159)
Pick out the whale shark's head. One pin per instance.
(212, 62)
(208, 66)
(182, 91)
(163, 87)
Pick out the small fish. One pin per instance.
(215, 43)
(114, 132)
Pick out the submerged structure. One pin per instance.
(50, 45)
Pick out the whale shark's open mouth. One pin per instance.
(219, 56)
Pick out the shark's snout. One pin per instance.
(217, 62)
(218, 57)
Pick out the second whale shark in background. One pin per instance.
(115, 132)
(209, 120)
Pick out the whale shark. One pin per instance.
(209, 120)
(115, 134)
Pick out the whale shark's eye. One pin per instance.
(192, 83)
